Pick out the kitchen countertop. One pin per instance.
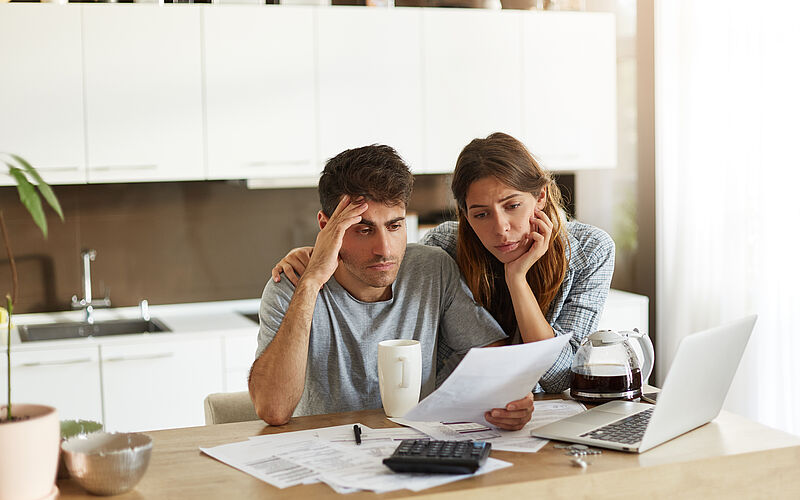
(195, 319)
(209, 318)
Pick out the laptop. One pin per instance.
(693, 393)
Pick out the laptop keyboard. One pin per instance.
(629, 430)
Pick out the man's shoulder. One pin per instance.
(418, 255)
(281, 291)
(424, 263)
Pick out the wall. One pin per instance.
(172, 242)
(622, 201)
(167, 242)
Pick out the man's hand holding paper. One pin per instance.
(514, 416)
(490, 378)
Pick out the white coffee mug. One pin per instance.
(399, 375)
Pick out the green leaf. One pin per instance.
(30, 198)
(71, 428)
(44, 187)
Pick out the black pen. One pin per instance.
(357, 433)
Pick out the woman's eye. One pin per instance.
(514, 205)
(479, 215)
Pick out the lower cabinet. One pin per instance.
(159, 385)
(240, 352)
(66, 379)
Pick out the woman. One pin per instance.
(538, 275)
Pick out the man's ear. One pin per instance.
(541, 200)
(322, 219)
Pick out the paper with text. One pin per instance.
(488, 378)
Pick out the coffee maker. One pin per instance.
(611, 366)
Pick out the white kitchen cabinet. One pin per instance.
(570, 93)
(240, 352)
(472, 80)
(41, 90)
(159, 384)
(143, 83)
(370, 81)
(260, 98)
(625, 311)
(66, 378)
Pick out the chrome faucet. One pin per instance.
(86, 303)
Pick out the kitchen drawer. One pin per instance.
(67, 379)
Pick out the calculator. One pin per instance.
(446, 457)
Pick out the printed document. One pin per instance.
(544, 412)
(488, 378)
(330, 455)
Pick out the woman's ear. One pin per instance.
(541, 200)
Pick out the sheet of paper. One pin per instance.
(258, 456)
(380, 479)
(502, 440)
(544, 412)
(274, 470)
(330, 455)
(488, 378)
(452, 431)
(346, 436)
(310, 433)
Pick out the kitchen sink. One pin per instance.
(53, 331)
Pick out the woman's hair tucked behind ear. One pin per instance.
(509, 161)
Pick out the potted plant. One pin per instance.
(29, 434)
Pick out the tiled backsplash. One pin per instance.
(167, 242)
(172, 242)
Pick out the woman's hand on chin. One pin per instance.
(541, 232)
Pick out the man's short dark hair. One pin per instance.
(375, 172)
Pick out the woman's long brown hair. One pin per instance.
(509, 161)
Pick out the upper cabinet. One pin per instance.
(570, 92)
(472, 80)
(126, 93)
(144, 107)
(370, 80)
(41, 90)
(260, 103)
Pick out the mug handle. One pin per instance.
(404, 382)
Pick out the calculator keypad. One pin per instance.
(453, 457)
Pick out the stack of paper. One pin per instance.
(330, 455)
(502, 440)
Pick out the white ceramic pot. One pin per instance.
(29, 453)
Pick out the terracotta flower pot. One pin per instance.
(29, 453)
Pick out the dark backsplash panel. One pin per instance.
(166, 242)
(173, 242)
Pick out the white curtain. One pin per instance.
(728, 190)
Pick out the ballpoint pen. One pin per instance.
(357, 433)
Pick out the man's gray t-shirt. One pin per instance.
(428, 296)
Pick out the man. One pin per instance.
(317, 343)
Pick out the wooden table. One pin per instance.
(730, 457)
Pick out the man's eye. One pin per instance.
(366, 230)
(395, 227)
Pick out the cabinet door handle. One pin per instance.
(60, 168)
(104, 168)
(268, 163)
(142, 357)
(56, 363)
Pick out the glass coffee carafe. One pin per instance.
(607, 367)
